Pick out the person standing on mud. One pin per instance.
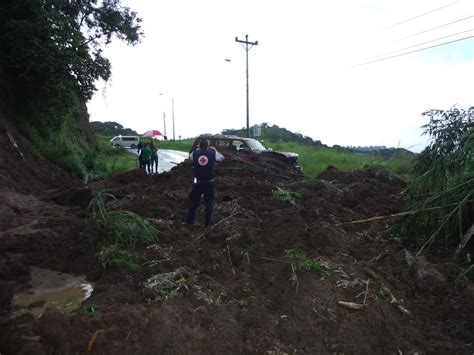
(145, 157)
(154, 157)
(204, 159)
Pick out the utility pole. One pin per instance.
(172, 112)
(164, 123)
(247, 43)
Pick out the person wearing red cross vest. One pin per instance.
(204, 159)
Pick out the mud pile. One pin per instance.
(241, 285)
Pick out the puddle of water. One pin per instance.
(52, 289)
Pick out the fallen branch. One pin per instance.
(230, 260)
(395, 301)
(215, 225)
(400, 214)
(93, 338)
(467, 237)
(351, 305)
(366, 291)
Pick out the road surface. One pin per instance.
(167, 158)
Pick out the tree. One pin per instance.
(51, 51)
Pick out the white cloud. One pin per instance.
(300, 73)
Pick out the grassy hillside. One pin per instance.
(110, 160)
(315, 160)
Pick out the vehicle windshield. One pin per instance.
(254, 144)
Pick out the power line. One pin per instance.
(438, 27)
(413, 51)
(421, 15)
(430, 41)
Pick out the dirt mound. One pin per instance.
(270, 275)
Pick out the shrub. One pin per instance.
(442, 186)
(124, 228)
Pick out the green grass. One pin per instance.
(287, 195)
(182, 145)
(303, 262)
(123, 228)
(314, 160)
(113, 256)
(111, 160)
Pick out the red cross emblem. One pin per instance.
(203, 160)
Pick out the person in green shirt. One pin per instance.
(145, 157)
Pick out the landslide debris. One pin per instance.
(234, 288)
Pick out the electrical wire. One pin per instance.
(421, 15)
(413, 51)
(437, 27)
(423, 43)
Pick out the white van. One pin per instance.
(125, 141)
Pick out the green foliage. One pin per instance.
(184, 145)
(247, 256)
(303, 262)
(315, 160)
(443, 181)
(123, 228)
(92, 308)
(111, 129)
(111, 160)
(287, 195)
(113, 256)
(51, 56)
(275, 134)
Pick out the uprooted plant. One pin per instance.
(123, 228)
(287, 195)
(114, 256)
(442, 188)
(304, 262)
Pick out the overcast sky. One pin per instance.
(303, 73)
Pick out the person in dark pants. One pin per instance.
(154, 157)
(204, 159)
(145, 158)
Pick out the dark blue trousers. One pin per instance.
(206, 188)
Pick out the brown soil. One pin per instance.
(231, 288)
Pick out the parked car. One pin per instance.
(125, 141)
(235, 144)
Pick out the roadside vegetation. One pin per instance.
(109, 160)
(184, 145)
(52, 56)
(121, 232)
(315, 159)
(441, 190)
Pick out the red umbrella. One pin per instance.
(152, 133)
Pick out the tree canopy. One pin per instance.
(51, 52)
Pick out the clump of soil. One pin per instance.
(233, 287)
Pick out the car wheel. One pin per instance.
(117, 146)
(133, 146)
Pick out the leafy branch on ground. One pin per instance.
(114, 256)
(304, 262)
(288, 196)
(124, 228)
